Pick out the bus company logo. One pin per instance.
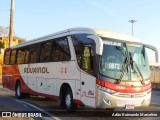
(36, 70)
(90, 93)
(132, 95)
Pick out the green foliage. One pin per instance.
(21, 40)
(1, 45)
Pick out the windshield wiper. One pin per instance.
(129, 61)
(143, 81)
(132, 65)
(125, 65)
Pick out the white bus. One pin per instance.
(81, 66)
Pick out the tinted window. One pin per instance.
(88, 59)
(45, 54)
(61, 50)
(84, 49)
(26, 56)
(13, 57)
(21, 56)
(7, 57)
(33, 54)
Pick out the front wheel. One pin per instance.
(71, 107)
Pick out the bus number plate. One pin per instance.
(129, 107)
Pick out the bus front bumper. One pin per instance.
(121, 100)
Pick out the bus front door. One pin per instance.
(88, 80)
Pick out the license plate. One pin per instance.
(129, 107)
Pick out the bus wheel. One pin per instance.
(71, 107)
(62, 101)
(19, 93)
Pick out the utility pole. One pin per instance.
(132, 21)
(11, 23)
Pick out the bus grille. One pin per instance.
(131, 95)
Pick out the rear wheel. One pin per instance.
(71, 107)
(18, 92)
(62, 101)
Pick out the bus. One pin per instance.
(81, 66)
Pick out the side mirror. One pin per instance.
(154, 49)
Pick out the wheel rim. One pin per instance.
(68, 101)
(18, 90)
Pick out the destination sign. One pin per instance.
(112, 43)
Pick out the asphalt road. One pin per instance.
(50, 109)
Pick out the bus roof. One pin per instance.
(99, 32)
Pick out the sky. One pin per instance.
(36, 18)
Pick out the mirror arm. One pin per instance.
(154, 49)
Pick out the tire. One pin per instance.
(18, 92)
(70, 106)
(62, 101)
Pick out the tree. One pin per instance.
(1, 45)
(4, 31)
(20, 40)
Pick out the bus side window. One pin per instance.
(61, 50)
(84, 50)
(34, 54)
(78, 46)
(45, 52)
(13, 57)
(7, 57)
(88, 59)
(26, 56)
(21, 56)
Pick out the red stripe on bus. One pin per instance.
(122, 88)
(79, 102)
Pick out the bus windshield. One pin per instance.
(115, 56)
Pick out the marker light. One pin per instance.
(107, 90)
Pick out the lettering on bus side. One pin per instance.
(36, 70)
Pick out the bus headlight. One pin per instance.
(107, 90)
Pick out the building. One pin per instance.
(155, 75)
(5, 40)
(154, 69)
